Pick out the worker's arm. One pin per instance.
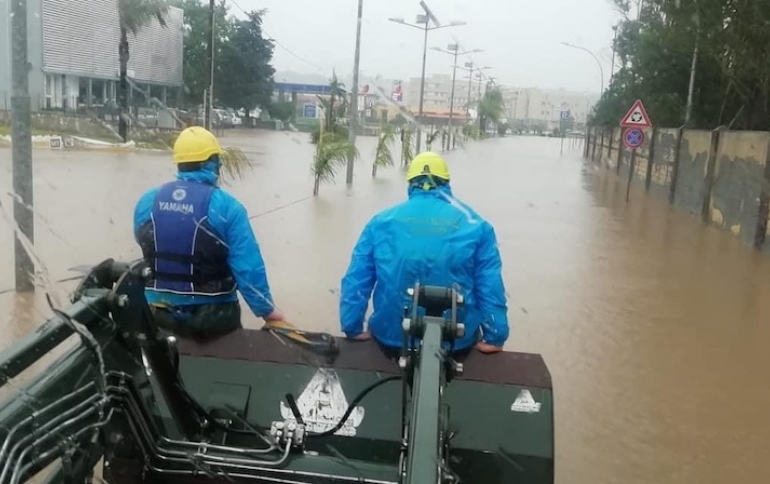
(357, 285)
(143, 211)
(490, 289)
(245, 259)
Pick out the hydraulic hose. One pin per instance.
(353, 405)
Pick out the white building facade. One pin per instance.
(73, 55)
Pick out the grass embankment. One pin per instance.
(143, 138)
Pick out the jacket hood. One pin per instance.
(208, 174)
(441, 191)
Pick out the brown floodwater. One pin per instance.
(655, 327)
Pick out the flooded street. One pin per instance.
(655, 327)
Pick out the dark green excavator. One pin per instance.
(129, 404)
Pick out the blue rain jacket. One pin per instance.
(230, 222)
(434, 239)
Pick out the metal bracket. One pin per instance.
(287, 433)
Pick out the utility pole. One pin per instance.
(21, 117)
(423, 23)
(353, 124)
(470, 82)
(693, 67)
(454, 50)
(478, 108)
(210, 92)
(422, 85)
(469, 66)
(691, 89)
(614, 45)
(452, 99)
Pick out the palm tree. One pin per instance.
(334, 111)
(471, 131)
(134, 14)
(406, 146)
(491, 107)
(432, 136)
(337, 92)
(382, 155)
(331, 154)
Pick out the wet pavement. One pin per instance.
(655, 327)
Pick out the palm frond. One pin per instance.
(407, 153)
(383, 155)
(135, 14)
(235, 165)
(471, 131)
(432, 137)
(459, 140)
(332, 153)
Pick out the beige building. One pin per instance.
(537, 106)
(531, 105)
(437, 97)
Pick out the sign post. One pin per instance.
(633, 124)
(563, 118)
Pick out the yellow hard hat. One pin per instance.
(194, 145)
(428, 163)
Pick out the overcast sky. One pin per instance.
(520, 38)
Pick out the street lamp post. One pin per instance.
(353, 123)
(598, 62)
(691, 86)
(209, 100)
(471, 69)
(454, 50)
(614, 48)
(423, 23)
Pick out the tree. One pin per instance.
(656, 50)
(334, 109)
(332, 153)
(281, 110)
(331, 138)
(243, 73)
(432, 135)
(383, 155)
(133, 14)
(407, 153)
(196, 45)
(491, 107)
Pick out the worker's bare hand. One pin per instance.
(487, 348)
(365, 336)
(276, 315)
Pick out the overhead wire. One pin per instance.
(279, 44)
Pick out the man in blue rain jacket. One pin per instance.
(198, 240)
(433, 239)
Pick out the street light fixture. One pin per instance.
(423, 22)
(471, 69)
(598, 62)
(454, 50)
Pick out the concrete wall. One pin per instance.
(738, 180)
(691, 177)
(666, 143)
(720, 176)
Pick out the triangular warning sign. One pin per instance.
(525, 403)
(636, 117)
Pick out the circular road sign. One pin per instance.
(634, 138)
